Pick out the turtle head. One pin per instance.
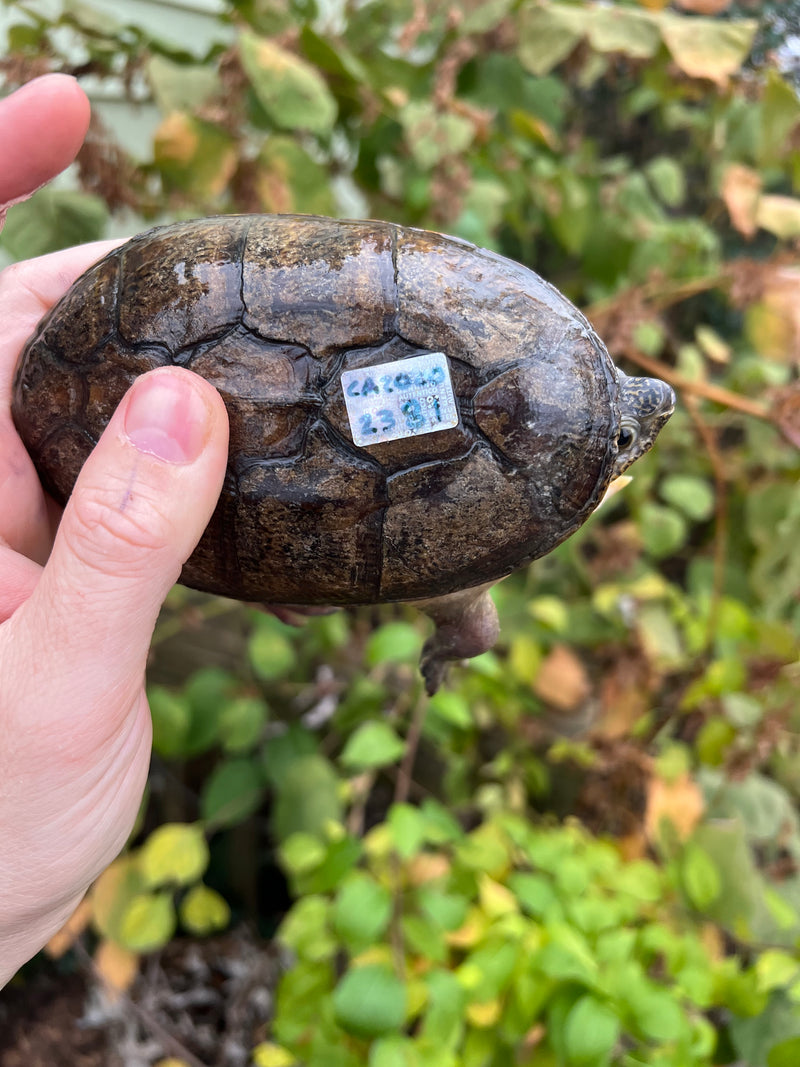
(645, 405)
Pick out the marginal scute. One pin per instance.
(89, 313)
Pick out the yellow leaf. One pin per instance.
(112, 893)
(495, 899)
(177, 138)
(174, 853)
(470, 932)
(780, 215)
(680, 801)
(117, 966)
(741, 188)
(706, 48)
(268, 1054)
(71, 930)
(203, 910)
(484, 1015)
(148, 922)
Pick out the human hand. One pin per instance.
(76, 619)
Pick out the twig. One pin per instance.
(403, 784)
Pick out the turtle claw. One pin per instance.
(466, 625)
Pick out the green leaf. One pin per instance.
(693, 496)
(280, 753)
(668, 180)
(171, 717)
(174, 853)
(301, 853)
(394, 642)
(785, 1053)
(451, 708)
(290, 91)
(361, 912)
(241, 723)
(180, 86)
(148, 922)
(370, 1001)
(620, 29)
(208, 691)
(272, 654)
(374, 744)
(204, 911)
(307, 799)
(663, 530)
(700, 877)
(657, 1014)
(232, 792)
(407, 826)
(53, 219)
(432, 135)
(548, 32)
(590, 1033)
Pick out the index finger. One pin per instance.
(42, 126)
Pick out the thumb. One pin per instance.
(140, 505)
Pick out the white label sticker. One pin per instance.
(402, 399)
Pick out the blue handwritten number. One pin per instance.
(387, 420)
(366, 425)
(413, 414)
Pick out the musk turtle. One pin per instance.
(412, 417)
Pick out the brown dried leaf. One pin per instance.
(562, 680)
(680, 801)
(117, 966)
(741, 189)
(72, 929)
(624, 696)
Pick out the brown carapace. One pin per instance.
(273, 310)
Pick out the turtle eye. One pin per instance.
(628, 435)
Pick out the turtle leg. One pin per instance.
(466, 624)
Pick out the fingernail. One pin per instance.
(167, 418)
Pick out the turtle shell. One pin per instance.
(272, 310)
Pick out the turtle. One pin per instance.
(412, 417)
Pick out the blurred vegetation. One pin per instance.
(584, 851)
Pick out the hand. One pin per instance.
(77, 609)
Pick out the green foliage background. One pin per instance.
(585, 850)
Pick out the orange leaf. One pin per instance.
(562, 680)
(118, 966)
(680, 801)
(741, 188)
(71, 930)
